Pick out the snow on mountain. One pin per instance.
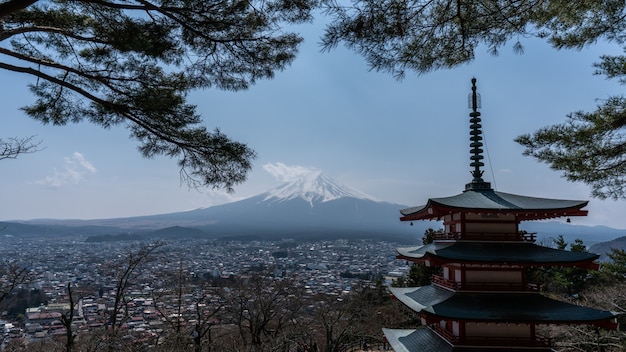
(314, 188)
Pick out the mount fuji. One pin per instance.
(314, 188)
(311, 206)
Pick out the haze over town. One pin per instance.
(399, 141)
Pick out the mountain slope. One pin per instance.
(312, 205)
(603, 248)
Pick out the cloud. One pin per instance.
(288, 173)
(75, 169)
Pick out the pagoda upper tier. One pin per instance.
(487, 201)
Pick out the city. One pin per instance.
(329, 268)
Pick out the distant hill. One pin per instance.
(605, 247)
(28, 230)
(548, 230)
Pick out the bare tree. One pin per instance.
(125, 273)
(593, 338)
(261, 307)
(68, 320)
(208, 307)
(168, 298)
(12, 275)
(11, 148)
(336, 321)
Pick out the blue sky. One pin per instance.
(399, 141)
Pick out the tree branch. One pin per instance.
(9, 7)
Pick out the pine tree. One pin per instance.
(132, 63)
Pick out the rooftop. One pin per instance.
(490, 201)
(499, 307)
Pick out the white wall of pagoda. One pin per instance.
(473, 276)
(497, 330)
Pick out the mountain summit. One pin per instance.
(314, 188)
(311, 206)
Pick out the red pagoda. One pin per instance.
(483, 299)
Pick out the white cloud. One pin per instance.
(75, 169)
(80, 159)
(287, 173)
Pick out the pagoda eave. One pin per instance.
(421, 339)
(438, 212)
(436, 261)
(435, 303)
(605, 323)
(522, 254)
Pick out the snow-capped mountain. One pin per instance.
(314, 188)
(313, 205)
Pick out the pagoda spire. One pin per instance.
(476, 143)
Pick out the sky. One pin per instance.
(401, 141)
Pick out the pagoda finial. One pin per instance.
(476, 144)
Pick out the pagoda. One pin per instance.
(482, 298)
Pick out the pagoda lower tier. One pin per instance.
(426, 340)
(474, 321)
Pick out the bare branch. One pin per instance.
(11, 148)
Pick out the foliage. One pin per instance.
(430, 235)
(14, 298)
(613, 271)
(398, 35)
(588, 147)
(12, 276)
(20, 299)
(563, 280)
(590, 338)
(419, 275)
(603, 289)
(133, 63)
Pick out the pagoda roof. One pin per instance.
(420, 298)
(409, 340)
(499, 307)
(490, 201)
(425, 340)
(497, 252)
